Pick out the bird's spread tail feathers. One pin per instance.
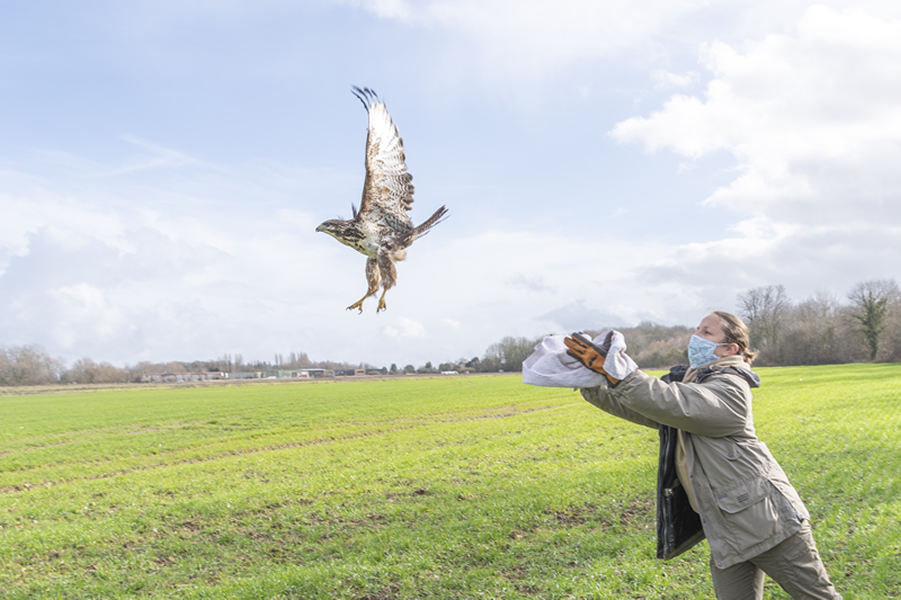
(421, 230)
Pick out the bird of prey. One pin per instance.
(381, 229)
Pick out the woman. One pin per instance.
(752, 517)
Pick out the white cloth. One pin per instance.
(551, 366)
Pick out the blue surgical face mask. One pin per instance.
(701, 351)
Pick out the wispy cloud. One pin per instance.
(158, 157)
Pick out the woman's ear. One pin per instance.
(730, 350)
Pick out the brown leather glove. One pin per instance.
(592, 356)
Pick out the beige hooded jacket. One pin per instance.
(744, 498)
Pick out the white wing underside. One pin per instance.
(388, 188)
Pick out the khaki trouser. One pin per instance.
(794, 564)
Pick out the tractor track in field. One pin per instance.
(438, 419)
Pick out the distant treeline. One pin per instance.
(818, 330)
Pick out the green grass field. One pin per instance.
(455, 487)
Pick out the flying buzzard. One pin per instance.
(381, 229)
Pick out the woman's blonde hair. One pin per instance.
(737, 333)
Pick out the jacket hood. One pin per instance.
(750, 376)
(734, 365)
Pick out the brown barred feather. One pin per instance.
(381, 229)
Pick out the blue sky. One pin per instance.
(163, 166)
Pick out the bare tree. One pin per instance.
(891, 339)
(871, 302)
(296, 360)
(815, 332)
(656, 346)
(508, 354)
(765, 309)
(86, 370)
(143, 368)
(28, 365)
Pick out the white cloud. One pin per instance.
(82, 310)
(505, 41)
(452, 324)
(663, 79)
(405, 328)
(526, 38)
(813, 120)
(790, 105)
(98, 260)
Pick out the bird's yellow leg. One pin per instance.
(382, 305)
(372, 278)
(358, 304)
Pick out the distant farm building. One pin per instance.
(182, 377)
(349, 372)
(245, 375)
(298, 373)
(268, 374)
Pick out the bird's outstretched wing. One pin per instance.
(388, 188)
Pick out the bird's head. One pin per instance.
(336, 228)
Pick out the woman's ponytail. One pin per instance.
(737, 333)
